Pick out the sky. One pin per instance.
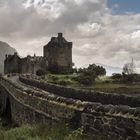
(124, 6)
(102, 31)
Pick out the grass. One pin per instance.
(42, 132)
(61, 79)
(104, 84)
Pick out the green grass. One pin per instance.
(61, 79)
(42, 132)
(104, 84)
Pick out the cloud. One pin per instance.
(136, 34)
(98, 35)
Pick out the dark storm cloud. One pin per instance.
(30, 22)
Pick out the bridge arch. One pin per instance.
(7, 112)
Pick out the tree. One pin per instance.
(116, 76)
(99, 70)
(129, 68)
(88, 75)
(129, 72)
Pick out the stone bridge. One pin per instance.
(25, 99)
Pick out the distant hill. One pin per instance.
(110, 69)
(4, 49)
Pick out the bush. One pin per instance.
(88, 75)
(136, 77)
(64, 82)
(128, 78)
(44, 132)
(117, 77)
(53, 78)
(85, 79)
(40, 72)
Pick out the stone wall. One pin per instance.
(33, 64)
(83, 95)
(113, 126)
(117, 122)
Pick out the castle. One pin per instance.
(57, 58)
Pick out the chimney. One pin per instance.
(60, 35)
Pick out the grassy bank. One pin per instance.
(104, 84)
(41, 132)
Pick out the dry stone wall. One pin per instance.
(83, 95)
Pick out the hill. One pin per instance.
(111, 69)
(4, 49)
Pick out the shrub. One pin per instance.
(44, 132)
(64, 82)
(117, 77)
(85, 79)
(40, 72)
(54, 78)
(128, 78)
(88, 75)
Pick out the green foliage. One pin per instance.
(85, 79)
(42, 132)
(101, 83)
(98, 70)
(60, 79)
(40, 72)
(88, 75)
(117, 77)
(126, 78)
(136, 78)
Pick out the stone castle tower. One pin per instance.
(58, 52)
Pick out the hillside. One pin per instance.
(4, 49)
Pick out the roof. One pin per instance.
(59, 41)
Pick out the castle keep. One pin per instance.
(58, 52)
(57, 58)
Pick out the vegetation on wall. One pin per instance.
(42, 132)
